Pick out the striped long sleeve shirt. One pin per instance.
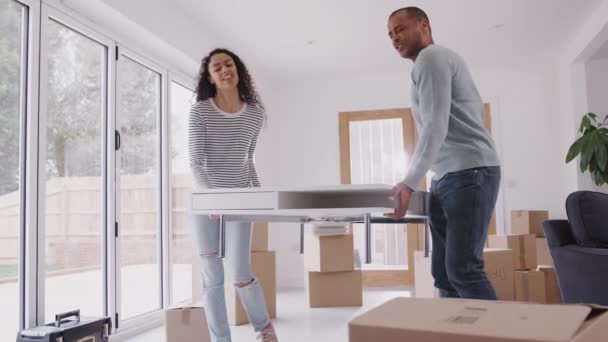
(222, 145)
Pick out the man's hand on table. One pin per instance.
(401, 194)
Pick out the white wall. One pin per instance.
(597, 83)
(596, 78)
(302, 146)
(573, 96)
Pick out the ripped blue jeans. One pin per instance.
(237, 261)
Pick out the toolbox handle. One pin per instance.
(60, 317)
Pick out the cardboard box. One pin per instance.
(329, 253)
(523, 246)
(530, 286)
(336, 289)
(186, 323)
(528, 222)
(491, 228)
(420, 236)
(458, 320)
(542, 252)
(498, 264)
(263, 267)
(492, 225)
(552, 290)
(424, 283)
(259, 237)
(487, 244)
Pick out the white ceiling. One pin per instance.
(350, 35)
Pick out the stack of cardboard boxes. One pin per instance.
(263, 267)
(331, 277)
(518, 265)
(534, 276)
(530, 222)
(529, 284)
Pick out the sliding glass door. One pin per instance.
(13, 57)
(74, 97)
(139, 107)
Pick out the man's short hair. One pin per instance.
(414, 12)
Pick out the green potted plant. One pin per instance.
(592, 146)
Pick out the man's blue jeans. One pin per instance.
(461, 208)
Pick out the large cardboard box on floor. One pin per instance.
(523, 246)
(542, 252)
(186, 323)
(333, 253)
(552, 290)
(335, 289)
(498, 264)
(424, 284)
(458, 320)
(528, 222)
(263, 267)
(259, 237)
(530, 286)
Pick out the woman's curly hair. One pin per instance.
(246, 86)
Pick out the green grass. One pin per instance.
(51, 268)
(10, 271)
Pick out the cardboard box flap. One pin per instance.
(501, 320)
(597, 307)
(186, 305)
(595, 328)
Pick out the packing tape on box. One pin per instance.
(526, 286)
(522, 251)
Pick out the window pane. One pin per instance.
(12, 23)
(181, 181)
(74, 199)
(378, 157)
(137, 121)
